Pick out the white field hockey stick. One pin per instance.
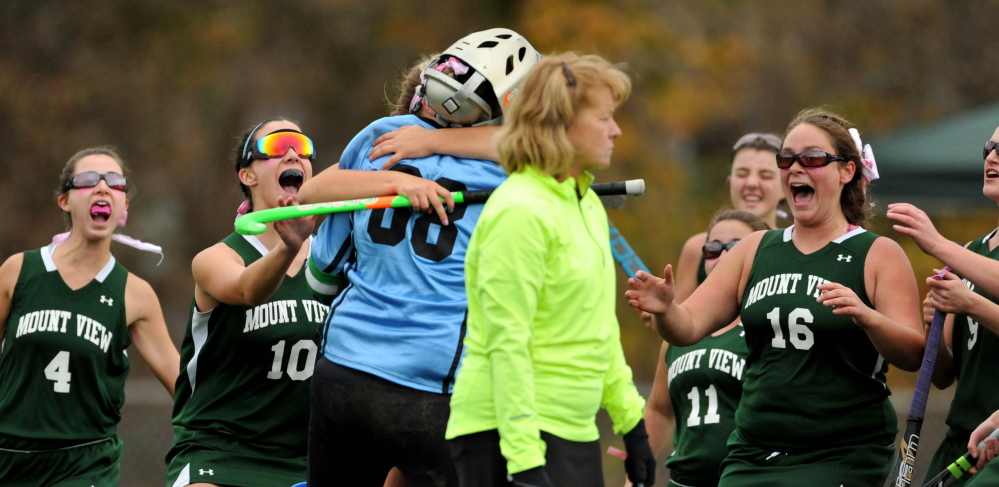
(255, 222)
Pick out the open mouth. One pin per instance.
(801, 193)
(991, 174)
(291, 180)
(100, 211)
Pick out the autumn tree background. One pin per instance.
(173, 84)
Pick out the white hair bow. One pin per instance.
(869, 169)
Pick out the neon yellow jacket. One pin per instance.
(543, 348)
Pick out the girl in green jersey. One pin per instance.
(68, 311)
(242, 407)
(697, 388)
(972, 324)
(826, 306)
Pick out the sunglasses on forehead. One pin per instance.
(276, 145)
(90, 179)
(989, 147)
(714, 248)
(769, 140)
(809, 158)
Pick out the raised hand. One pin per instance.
(294, 231)
(650, 293)
(916, 224)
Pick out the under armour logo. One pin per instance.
(106, 300)
(842, 257)
(202, 471)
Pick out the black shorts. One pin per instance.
(362, 425)
(479, 462)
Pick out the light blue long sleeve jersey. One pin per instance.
(401, 313)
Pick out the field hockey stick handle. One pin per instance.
(960, 467)
(981, 444)
(919, 396)
(631, 187)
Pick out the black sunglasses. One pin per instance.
(808, 158)
(989, 147)
(714, 248)
(90, 179)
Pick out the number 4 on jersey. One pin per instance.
(58, 370)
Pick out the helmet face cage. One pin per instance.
(498, 60)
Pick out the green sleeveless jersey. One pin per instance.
(63, 366)
(705, 385)
(975, 352)
(813, 379)
(245, 370)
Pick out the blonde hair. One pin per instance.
(535, 129)
(408, 83)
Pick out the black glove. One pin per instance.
(535, 477)
(641, 463)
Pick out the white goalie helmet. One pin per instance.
(488, 68)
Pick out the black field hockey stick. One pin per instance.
(959, 468)
(905, 460)
(255, 222)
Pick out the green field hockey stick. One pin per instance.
(254, 223)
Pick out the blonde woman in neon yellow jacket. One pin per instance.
(543, 350)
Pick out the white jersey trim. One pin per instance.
(184, 477)
(50, 264)
(851, 233)
(255, 242)
(199, 335)
(877, 366)
(990, 235)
